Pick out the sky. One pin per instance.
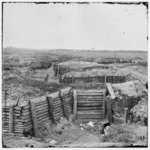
(94, 26)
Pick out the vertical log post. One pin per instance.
(51, 109)
(109, 109)
(34, 119)
(63, 104)
(97, 78)
(75, 103)
(71, 100)
(126, 115)
(57, 71)
(104, 106)
(72, 79)
(11, 114)
(105, 79)
(114, 79)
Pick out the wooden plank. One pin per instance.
(26, 113)
(5, 114)
(34, 119)
(41, 121)
(90, 93)
(90, 97)
(11, 120)
(42, 114)
(39, 118)
(59, 114)
(38, 112)
(109, 109)
(111, 91)
(74, 102)
(89, 105)
(89, 108)
(90, 100)
(56, 102)
(58, 109)
(91, 112)
(41, 108)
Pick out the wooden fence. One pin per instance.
(89, 79)
(84, 104)
(28, 118)
(89, 104)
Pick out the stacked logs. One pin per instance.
(90, 79)
(29, 117)
(26, 118)
(16, 119)
(39, 112)
(62, 103)
(69, 102)
(90, 104)
(22, 119)
(5, 119)
(50, 107)
(58, 111)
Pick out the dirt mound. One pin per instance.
(119, 133)
(140, 112)
(131, 88)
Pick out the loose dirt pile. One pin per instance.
(127, 134)
(140, 112)
(131, 88)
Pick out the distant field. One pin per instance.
(96, 54)
(60, 55)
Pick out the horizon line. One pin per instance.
(51, 49)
